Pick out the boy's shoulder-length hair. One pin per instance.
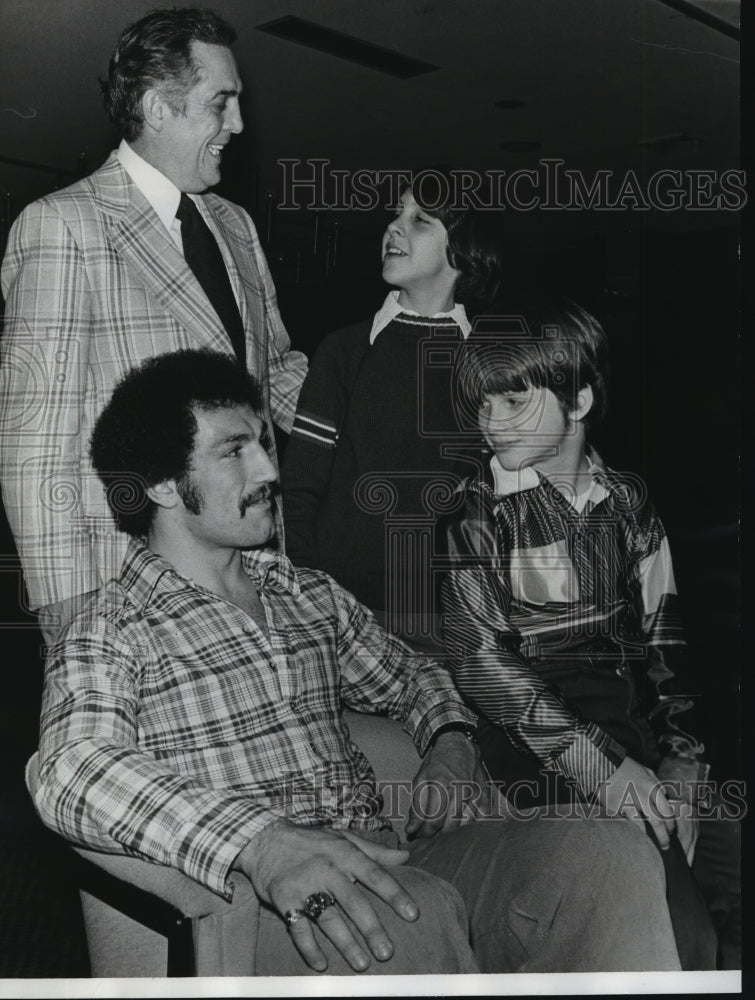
(475, 236)
(553, 344)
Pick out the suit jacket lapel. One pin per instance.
(234, 242)
(146, 247)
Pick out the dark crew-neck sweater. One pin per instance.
(377, 421)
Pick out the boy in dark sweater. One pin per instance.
(371, 458)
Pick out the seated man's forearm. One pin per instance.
(116, 799)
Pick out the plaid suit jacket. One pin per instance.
(94, 285)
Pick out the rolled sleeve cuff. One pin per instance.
(213, 854)
(424, 729)
(591, 758)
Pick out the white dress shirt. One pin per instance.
(160, 192)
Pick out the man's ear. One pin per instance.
(164, 494)
(155, 109)
(584, 403)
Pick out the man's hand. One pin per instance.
(450, 788)
(286, 863)
(634, 791)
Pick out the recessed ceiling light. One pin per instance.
(521, 146)
(509, 105)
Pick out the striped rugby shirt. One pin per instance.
(536, 576)
(173, 729)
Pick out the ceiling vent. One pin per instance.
(335, 43)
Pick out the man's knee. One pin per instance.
(565, 848)
(605, 842)
(433, 895)
(626, 849)
(436, 943)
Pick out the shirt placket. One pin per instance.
(278, 651)
(324, 796)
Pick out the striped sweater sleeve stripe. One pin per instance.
(314, 429)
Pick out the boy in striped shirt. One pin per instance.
(560, 613)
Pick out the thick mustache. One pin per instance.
(258, 496)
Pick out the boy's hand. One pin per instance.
(633, 791)
(684, 771)
(687, 830)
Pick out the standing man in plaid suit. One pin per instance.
(99, 277)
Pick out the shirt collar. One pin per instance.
(507, 482)
(271, 570)
(160, 192)
(143, 571)
(391, 308)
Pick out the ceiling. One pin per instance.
(598, 79)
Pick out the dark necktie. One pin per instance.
(204, 258)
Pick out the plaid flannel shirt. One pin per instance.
(173, 729)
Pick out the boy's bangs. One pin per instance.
(494, 369)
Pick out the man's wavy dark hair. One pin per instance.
(156, 52)
(145, 435)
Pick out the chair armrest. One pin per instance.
(389, 750)
(393, 757)
(168, 884)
